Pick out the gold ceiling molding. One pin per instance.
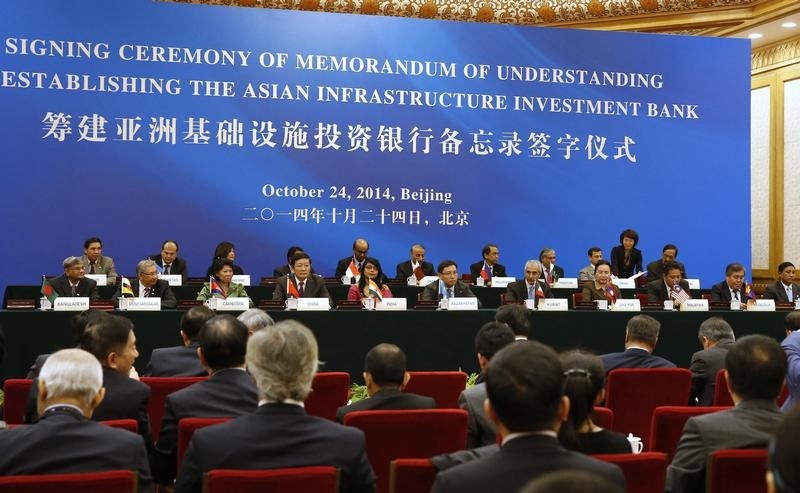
(775, 56)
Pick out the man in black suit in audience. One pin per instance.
(452, 286)
(662, 289)
(488, 267)
(410, 267)
(228, 392)
(531, 287)
(74, 281)
(641, 336)
(785, 290)
(148, 285)
(732, 288)
(655, 269)
(65, 440)
(385, 375)
(168, 261)
(182, 361)
(716, 337)
(524, 384)
(282, 359)
(517, 318)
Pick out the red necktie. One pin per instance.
(300, 289)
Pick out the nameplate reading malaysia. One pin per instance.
(700, 305)
(243, 279)
(313, 304)
(233, 304)
(100, 279)
(144, 304)
(172, 279)
(69, 304)
(693, 283)
(567, 283)
(465, 303)
(391, 304)
(761, 306)
(502, 282)
(624, 283)
(553, 304)
(422, 282)
(628, 305)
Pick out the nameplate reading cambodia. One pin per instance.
(233, 304)
(69, 304)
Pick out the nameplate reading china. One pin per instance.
(391, 304)
(172, 279)
(628, 305)
(243, 279)
(502, 282)
(567, 283)
(761, 306)
(100, 279)
(312, 304)
(553, 304)
(700, 305)
(69, 304)
(624, 283)
(693, 283)
(466, 303)
(233, 304)
(144, 304)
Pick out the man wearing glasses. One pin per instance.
(451, 286)
(148, 285)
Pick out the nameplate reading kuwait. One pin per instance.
(553, 304)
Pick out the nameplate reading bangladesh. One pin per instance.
(67, 304)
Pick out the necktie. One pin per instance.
(91, 268)
(531, 294)
(166, 268)
(736, 295)
(789, 294)
(146, 292)
(300, 289)
(449, 292)
(549, 278)
(75, 290)
(360, 265)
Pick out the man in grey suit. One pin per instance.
(94, 261)
(756, 367)
(716, 337)
(148, 285)
(451, 287)
(182, 361)
(785, 290)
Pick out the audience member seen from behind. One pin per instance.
(641, 336)
(225, 250)
(223, 274)
(181, 361)
(791, 346)
(601, 288)
(517, 318)
(77, 325)
(255, 319)
(626, 259)
(571, 482)
(716, 337)
(783, 466)
(369, 284)
(584, 384)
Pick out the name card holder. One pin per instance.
(100, 279)
(464, 303)
(627, 305)
(566, 283)
(142, 304)
(624, 283)
(313, 304)
(761, 306)
(693, 283)
(412, 281)
(530, 304)
(390, 304)
(502, 282)
(232, 304)
(172, 279)
(71, 304)
(243, 279)
(553, 304)
(348, 280)
(693, 305)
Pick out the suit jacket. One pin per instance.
(274, 436)
(404, 270)
(721, 292)
(498, 270)
(586, 274)
(634, 358)
(177, 361)
(557, 273)
(480, 431)
(618, 267)
(777, 292)
(86, 287)
(791, 345)
(103, 265)
(178, 266)
(655, 270)
(313, 288)
(388, 399)
(161, 289)
(227, 393)
(460, 290)
(748, 425)
(657, 290)
(705, 366)
(519, 461)
(518, 291)
(64, 441)
(590, 293)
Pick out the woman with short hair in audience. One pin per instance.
(626, 259)
(223, 275)
(584, 384)
(225, 249)
(371, 271)
(601, 288)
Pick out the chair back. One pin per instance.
(15, 391)
(408, 434)
(633, 393)
(443, 386)
(329, 391)
(94, 482)
(124, 424)
(187, 427)
(734, 471)
(319, 479)
(722, 397)
(603, 417)
(667, 426)
(411, 476)
(160, 388)
(644, 473)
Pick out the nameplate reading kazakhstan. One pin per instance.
(553, 304)
(172, 279)
(144, 304)
(243, 279)
(391, 304)
(628, 305)
(693, 283)
(502, 282)
(100, 279)
(624, 283)
(567, 283)
(700, 305)
(761, 306)
(69, 304)
(312, 304)
(465, 303)
(233, 304)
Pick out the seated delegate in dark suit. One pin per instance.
(732, 288)
(65, 440)
(385, 375)
(626, 259)
(785, 290)
(302, 284)
(228, 392)
(225, 250)
(286, 269)
(282, 359)
(417, 266)
(524, 387)
(530, 287)
(148, 285)
(168, 261)
(451, 287)
(73, 282)
(488, 267)
(716, 336)
(551, 272)
(663, 289)
(641, 336)
(655, 269)
(601, 288)
(182, 361)
(360, 251)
